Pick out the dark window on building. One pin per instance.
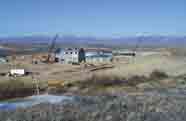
(70, 52)
(76, 53)
(66, 52)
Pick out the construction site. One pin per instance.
(93, 60)
(46, 72)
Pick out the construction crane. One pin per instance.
(13, 59)
(51, 49)
(136, 47)
(134, 50)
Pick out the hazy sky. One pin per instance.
(92, 17)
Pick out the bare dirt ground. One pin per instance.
(123, 67)
(142, 64)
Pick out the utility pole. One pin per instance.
(36, 83)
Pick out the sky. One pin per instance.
(101, 18)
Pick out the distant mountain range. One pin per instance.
(152, 41)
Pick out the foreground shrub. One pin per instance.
(103, 80)
(135, 80)
(157, 75)
(17, 88)
(113, 80)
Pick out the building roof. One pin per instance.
(106, 50)
(59, 50)
(99, 49)
(98, 56)
(3, 60)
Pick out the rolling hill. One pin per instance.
(152, 41)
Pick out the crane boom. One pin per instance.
(52, 46)
(137, 46)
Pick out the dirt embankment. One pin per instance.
(15, 88)
(109, 84)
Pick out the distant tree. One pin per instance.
(81, 57)
(157, 74)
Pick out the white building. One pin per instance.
(67, 56)
(90, 55)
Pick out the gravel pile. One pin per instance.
(152, 106)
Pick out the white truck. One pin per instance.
(17, 72)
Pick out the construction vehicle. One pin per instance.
(49, 56)
(17, 72)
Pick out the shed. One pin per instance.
(93, 55)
